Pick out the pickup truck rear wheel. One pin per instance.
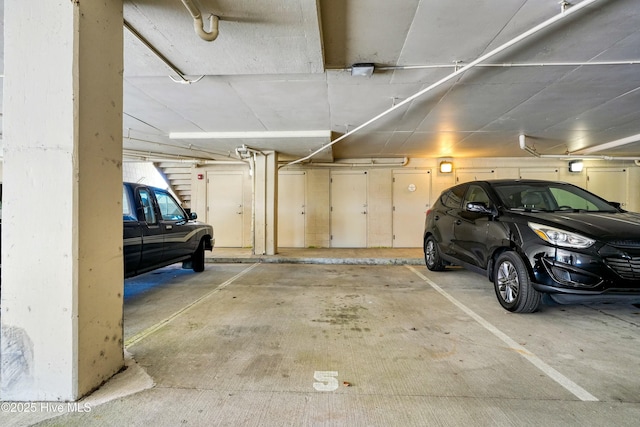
(197, 258)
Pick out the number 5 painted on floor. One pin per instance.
(328, 380)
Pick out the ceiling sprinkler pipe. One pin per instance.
(156, 52)
(198, 23)
(522, 139)
(368, 163)
(192, 8)
(212, 34)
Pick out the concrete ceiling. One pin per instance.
(284, 65)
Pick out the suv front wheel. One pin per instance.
(432, 255)
(513, 285)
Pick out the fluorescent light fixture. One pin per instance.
(283, 134)
(363, 69)
(576, 166)
(611, 144)
(446, 167)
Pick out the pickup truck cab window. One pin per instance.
(127, 212)
(146, 200)
(169, 209)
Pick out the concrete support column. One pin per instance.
(62, 271)
(265, 223)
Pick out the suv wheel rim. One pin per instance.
(430, 252)
(508, 283)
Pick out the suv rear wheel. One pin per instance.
(513, 285)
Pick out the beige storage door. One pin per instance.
(225, 208)
(411, 195)
(609, 183)
(348, 209)
(549, 174)
(291, 209)
(466, 175)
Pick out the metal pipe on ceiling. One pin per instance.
(149, 156)
(499, 49)
(160, 56)
(198, 23)
(368, 163)
(523, 145)
(457, 64)
(504, 65)
(209, 153)
(611, 144)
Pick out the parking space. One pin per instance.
(286, 344)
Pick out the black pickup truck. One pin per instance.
(158, 232)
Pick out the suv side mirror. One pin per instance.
(193, 215)
(480, 208)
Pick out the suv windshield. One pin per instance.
(550, 197)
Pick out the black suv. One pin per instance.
(532, 237)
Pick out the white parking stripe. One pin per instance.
(565, 382)
(143, 334)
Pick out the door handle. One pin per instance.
(458, 222)
(169, 227)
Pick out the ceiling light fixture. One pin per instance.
(252, 135)
(363, 69)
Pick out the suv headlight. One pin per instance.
(559, 237)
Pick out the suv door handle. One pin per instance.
(458, 222)
(169, 227)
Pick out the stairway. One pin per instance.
(178, 176)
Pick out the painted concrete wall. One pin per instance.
(144, 173)
(380, 233)
(62, 277)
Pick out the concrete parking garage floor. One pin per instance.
(376, 343)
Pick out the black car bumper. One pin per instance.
(609, 271)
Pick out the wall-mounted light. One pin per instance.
(446, 167)
(576, 166)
